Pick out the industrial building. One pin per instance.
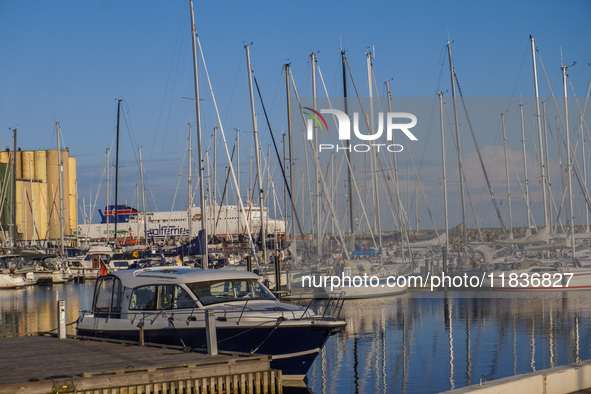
(34, 205)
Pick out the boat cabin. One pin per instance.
(162, 288)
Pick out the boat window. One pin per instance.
(107, 296)
(144, 298)
(211, 292)
(156, 297)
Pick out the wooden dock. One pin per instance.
(44, 364)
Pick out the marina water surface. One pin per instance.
(420, 342)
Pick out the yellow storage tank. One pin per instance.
(73, 181)
(66, 180)
(20, 228)
(40, 198)
(19, 164)
(28, 165)
(53, 194)
(4, 157)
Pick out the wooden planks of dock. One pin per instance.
(43, 364)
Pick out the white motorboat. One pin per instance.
(10, 280)
(89, 267)
(170, 304)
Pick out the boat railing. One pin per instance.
(317, 309)
(323, 308)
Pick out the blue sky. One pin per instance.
(69, 61)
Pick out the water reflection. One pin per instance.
(419, 343)
(33, 308)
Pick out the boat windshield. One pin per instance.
(215, 291)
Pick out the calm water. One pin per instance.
(421, 342)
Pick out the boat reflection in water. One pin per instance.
(32, 309)
(430, 342)
(419, 342)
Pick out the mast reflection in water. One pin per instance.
(420, 342)
(430, 342)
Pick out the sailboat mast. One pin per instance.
(461, 171)
(571, 217)
(549, 182)
(190, 185)
(289, 134)
(285, 181)
(397, 186)
(525, 168)
(204, 222)
(238, 206)
(542, 166)
(13, 205)
(318, 197)
(108, 192)
(144, 197)
(348, 148)
(507, 176)
(117, 167)
(61, 187)
(444, 173)
(257, 158)
(31, 199)
(582, 136)
(215, 183)
(378, 223)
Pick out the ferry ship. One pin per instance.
(226, 221)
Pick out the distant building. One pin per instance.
(37, 195)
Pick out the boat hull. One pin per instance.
(293, 358)
(11, 281)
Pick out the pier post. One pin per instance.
(210, 332)
(249, 263)
(277, 274)
(61, 318)
(141, 327)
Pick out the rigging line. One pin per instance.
(365, 215)
(367, 124)
(531, 134)
(224, 192)
(442, 55)
(576, 169)
(492, 194)
(130, 130)
(250, 238)
(322, 180)
(278, 159)
(588, 92)
(176, 53)
(234, 88)
(416, 176)
(581, 112)
(338, 175)
(528, 45)
(461, 170)
(395, 217)
(277, 86)
(550, 87)
(177, 186)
